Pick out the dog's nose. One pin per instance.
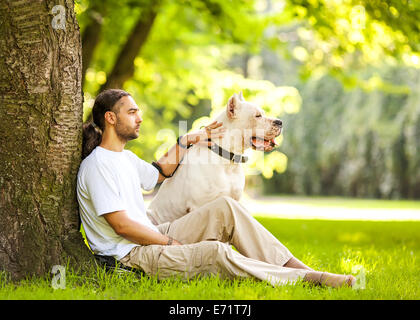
(278, 122)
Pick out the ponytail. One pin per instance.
(92, 137)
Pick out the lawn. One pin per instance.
(384, 254)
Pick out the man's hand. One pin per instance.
(170, 160)
(205, 134)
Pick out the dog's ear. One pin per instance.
(241, 97)
(232, 106)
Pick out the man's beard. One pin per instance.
(125, 133)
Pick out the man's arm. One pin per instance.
(170, 160)
(135, 231)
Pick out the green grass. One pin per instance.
(388, 252)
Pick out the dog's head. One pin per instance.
(248, 125)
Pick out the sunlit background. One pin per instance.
(343, 75)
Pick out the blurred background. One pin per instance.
(343, 75)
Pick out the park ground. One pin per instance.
(378, 241)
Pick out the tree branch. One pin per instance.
(124, 65)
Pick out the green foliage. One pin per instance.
(347, 35)
(353, 143)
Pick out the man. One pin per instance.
(116, 224)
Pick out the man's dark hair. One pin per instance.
(92, 131)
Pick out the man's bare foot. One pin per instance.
(330, 279)
(336, 280)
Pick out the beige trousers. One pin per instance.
(207, 234)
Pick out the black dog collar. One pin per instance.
(237, 158)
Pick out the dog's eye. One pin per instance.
(258, 116)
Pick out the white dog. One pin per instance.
(206, 174)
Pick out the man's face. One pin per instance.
(128, 121)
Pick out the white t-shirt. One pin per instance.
(110, 181)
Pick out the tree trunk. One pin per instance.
(124, 65)
(40, 132)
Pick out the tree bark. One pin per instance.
(40, 137)
(124, 66)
